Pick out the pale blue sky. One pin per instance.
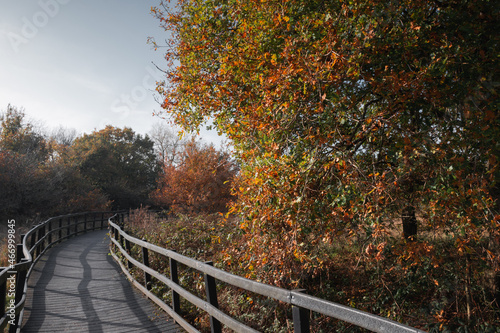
(81, 64)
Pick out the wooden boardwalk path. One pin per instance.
(77, 287)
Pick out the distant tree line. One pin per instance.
(62, 172)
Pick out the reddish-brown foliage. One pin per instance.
(200, 181)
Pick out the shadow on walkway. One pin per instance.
(76, 286)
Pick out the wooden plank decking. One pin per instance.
(77, 287)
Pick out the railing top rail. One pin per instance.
(351, 315)
(26, 249)
(79, 214)
(235, 280)
(213, 311)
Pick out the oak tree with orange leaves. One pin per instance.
(366, 119)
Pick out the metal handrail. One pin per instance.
(301, 303)
(33, 245)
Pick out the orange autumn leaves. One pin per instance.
(342, 114)
(199, 181)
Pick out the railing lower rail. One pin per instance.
(14, 279)
(301, 304)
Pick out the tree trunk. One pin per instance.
(409, 223)
(497, 291)
(467, 287)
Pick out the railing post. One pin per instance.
(85, 223)
(300, 317)
(76, 225)
(174, 276)
(19, 249)
(32, 243)
(20, 283)
(211, 290)
(19, 252)
(60, 230)
(41, 233)
(44, 242)
(145, 262)
(3, 297)
(68, 230)
(112, 234)
(37, 240)
(102, 220)
(93, 221)
(122, 239)
(118, 237)
(129, 251)
(49, 233)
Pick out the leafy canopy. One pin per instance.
(120, 162)
(344, 115)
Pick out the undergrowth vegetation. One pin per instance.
(436, 294)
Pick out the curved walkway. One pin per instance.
(77, 287)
